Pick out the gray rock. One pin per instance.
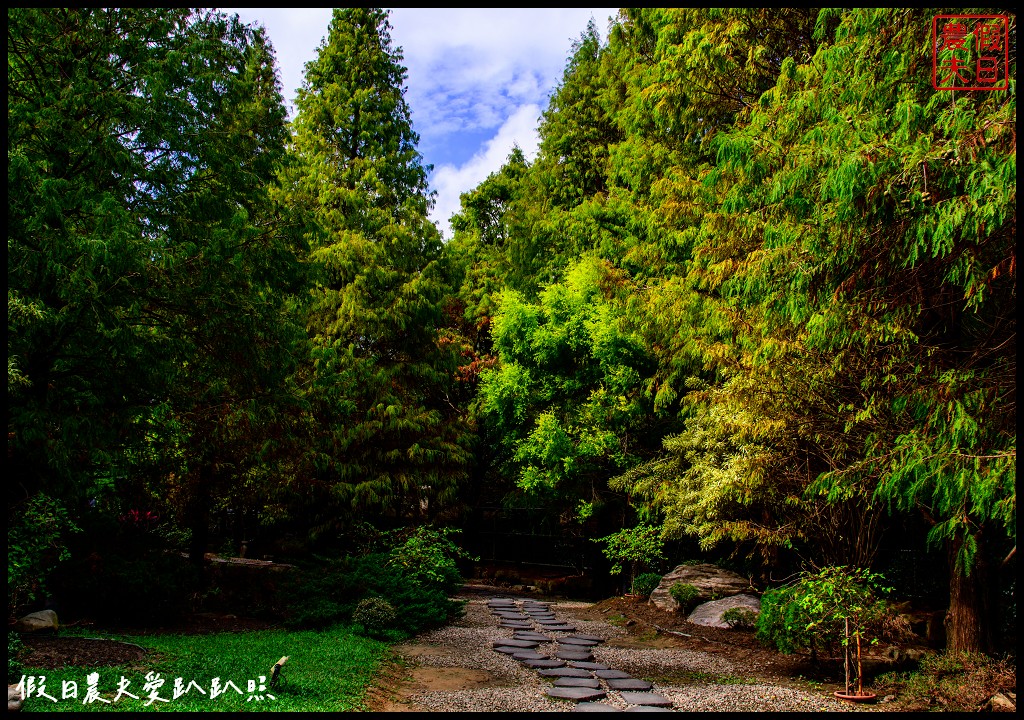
(565, 672)
(628, 684)
(580, 642)
(528, 655)
(545, 663)
(646, 699)
(1002, 702)
(576, 693)
(578, 682)
(612, 674)
(711, 580)
(710, 614)
(512, 642)
(584, 655)
(596, 707)
(43, 621)
(14, 699)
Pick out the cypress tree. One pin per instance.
(388, 440)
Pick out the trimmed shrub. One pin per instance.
(646, 583)
(685, 594)
(375, 617)
(740, 618)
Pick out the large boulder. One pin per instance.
(44, 621)
(710, 613)
(712, 581)
(14, 698)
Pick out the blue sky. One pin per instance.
(478, 78)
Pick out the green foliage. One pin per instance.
(15, 648)
(384, 436)
(415, 573)
(814, 612)
(37, 533)
(685, 594)
(567, 400)
(645, 583)
(740, 618)
(148, 267)
(634, 547)
(429, 557)
(375, 617)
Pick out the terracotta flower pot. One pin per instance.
(854, 696)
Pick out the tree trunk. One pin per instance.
(967, 624)
(198, 517)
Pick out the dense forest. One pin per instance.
(757, 290)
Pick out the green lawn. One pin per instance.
(327, 671)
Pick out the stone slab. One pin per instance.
(507, 649)
(531, 635)
(565, 672)
(557, 628)
(528, 655)
(611, 674)
(646, 699)
(578, 682)
(582, 636)
(513, 642)
(587, 665)
(517, 624)
(574, 655)
(595, 707)
(582, 642)
(628, 684)
(647, 708)
(544, 663)
(577, 694)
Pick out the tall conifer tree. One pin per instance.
(391, 442)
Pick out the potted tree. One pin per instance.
(843, 604)
(636, 548)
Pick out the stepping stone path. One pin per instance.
(572, 668)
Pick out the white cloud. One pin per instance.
(451, 181)
(472, 73)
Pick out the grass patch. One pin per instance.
(617, 620)
(327, 671)
(951, 682)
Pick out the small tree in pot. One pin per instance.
(636, 548)
(836, 606)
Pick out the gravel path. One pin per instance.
(504, 684)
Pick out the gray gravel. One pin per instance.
(516, 688)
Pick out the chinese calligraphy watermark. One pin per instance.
(35, 686)
(970, 52)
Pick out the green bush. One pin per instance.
(15, 647)
(811, 614)
(645, 583)
(415, 573)
(36, 544)
(782, 622)
(685, 594)
(740, 618)
(374, 617)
